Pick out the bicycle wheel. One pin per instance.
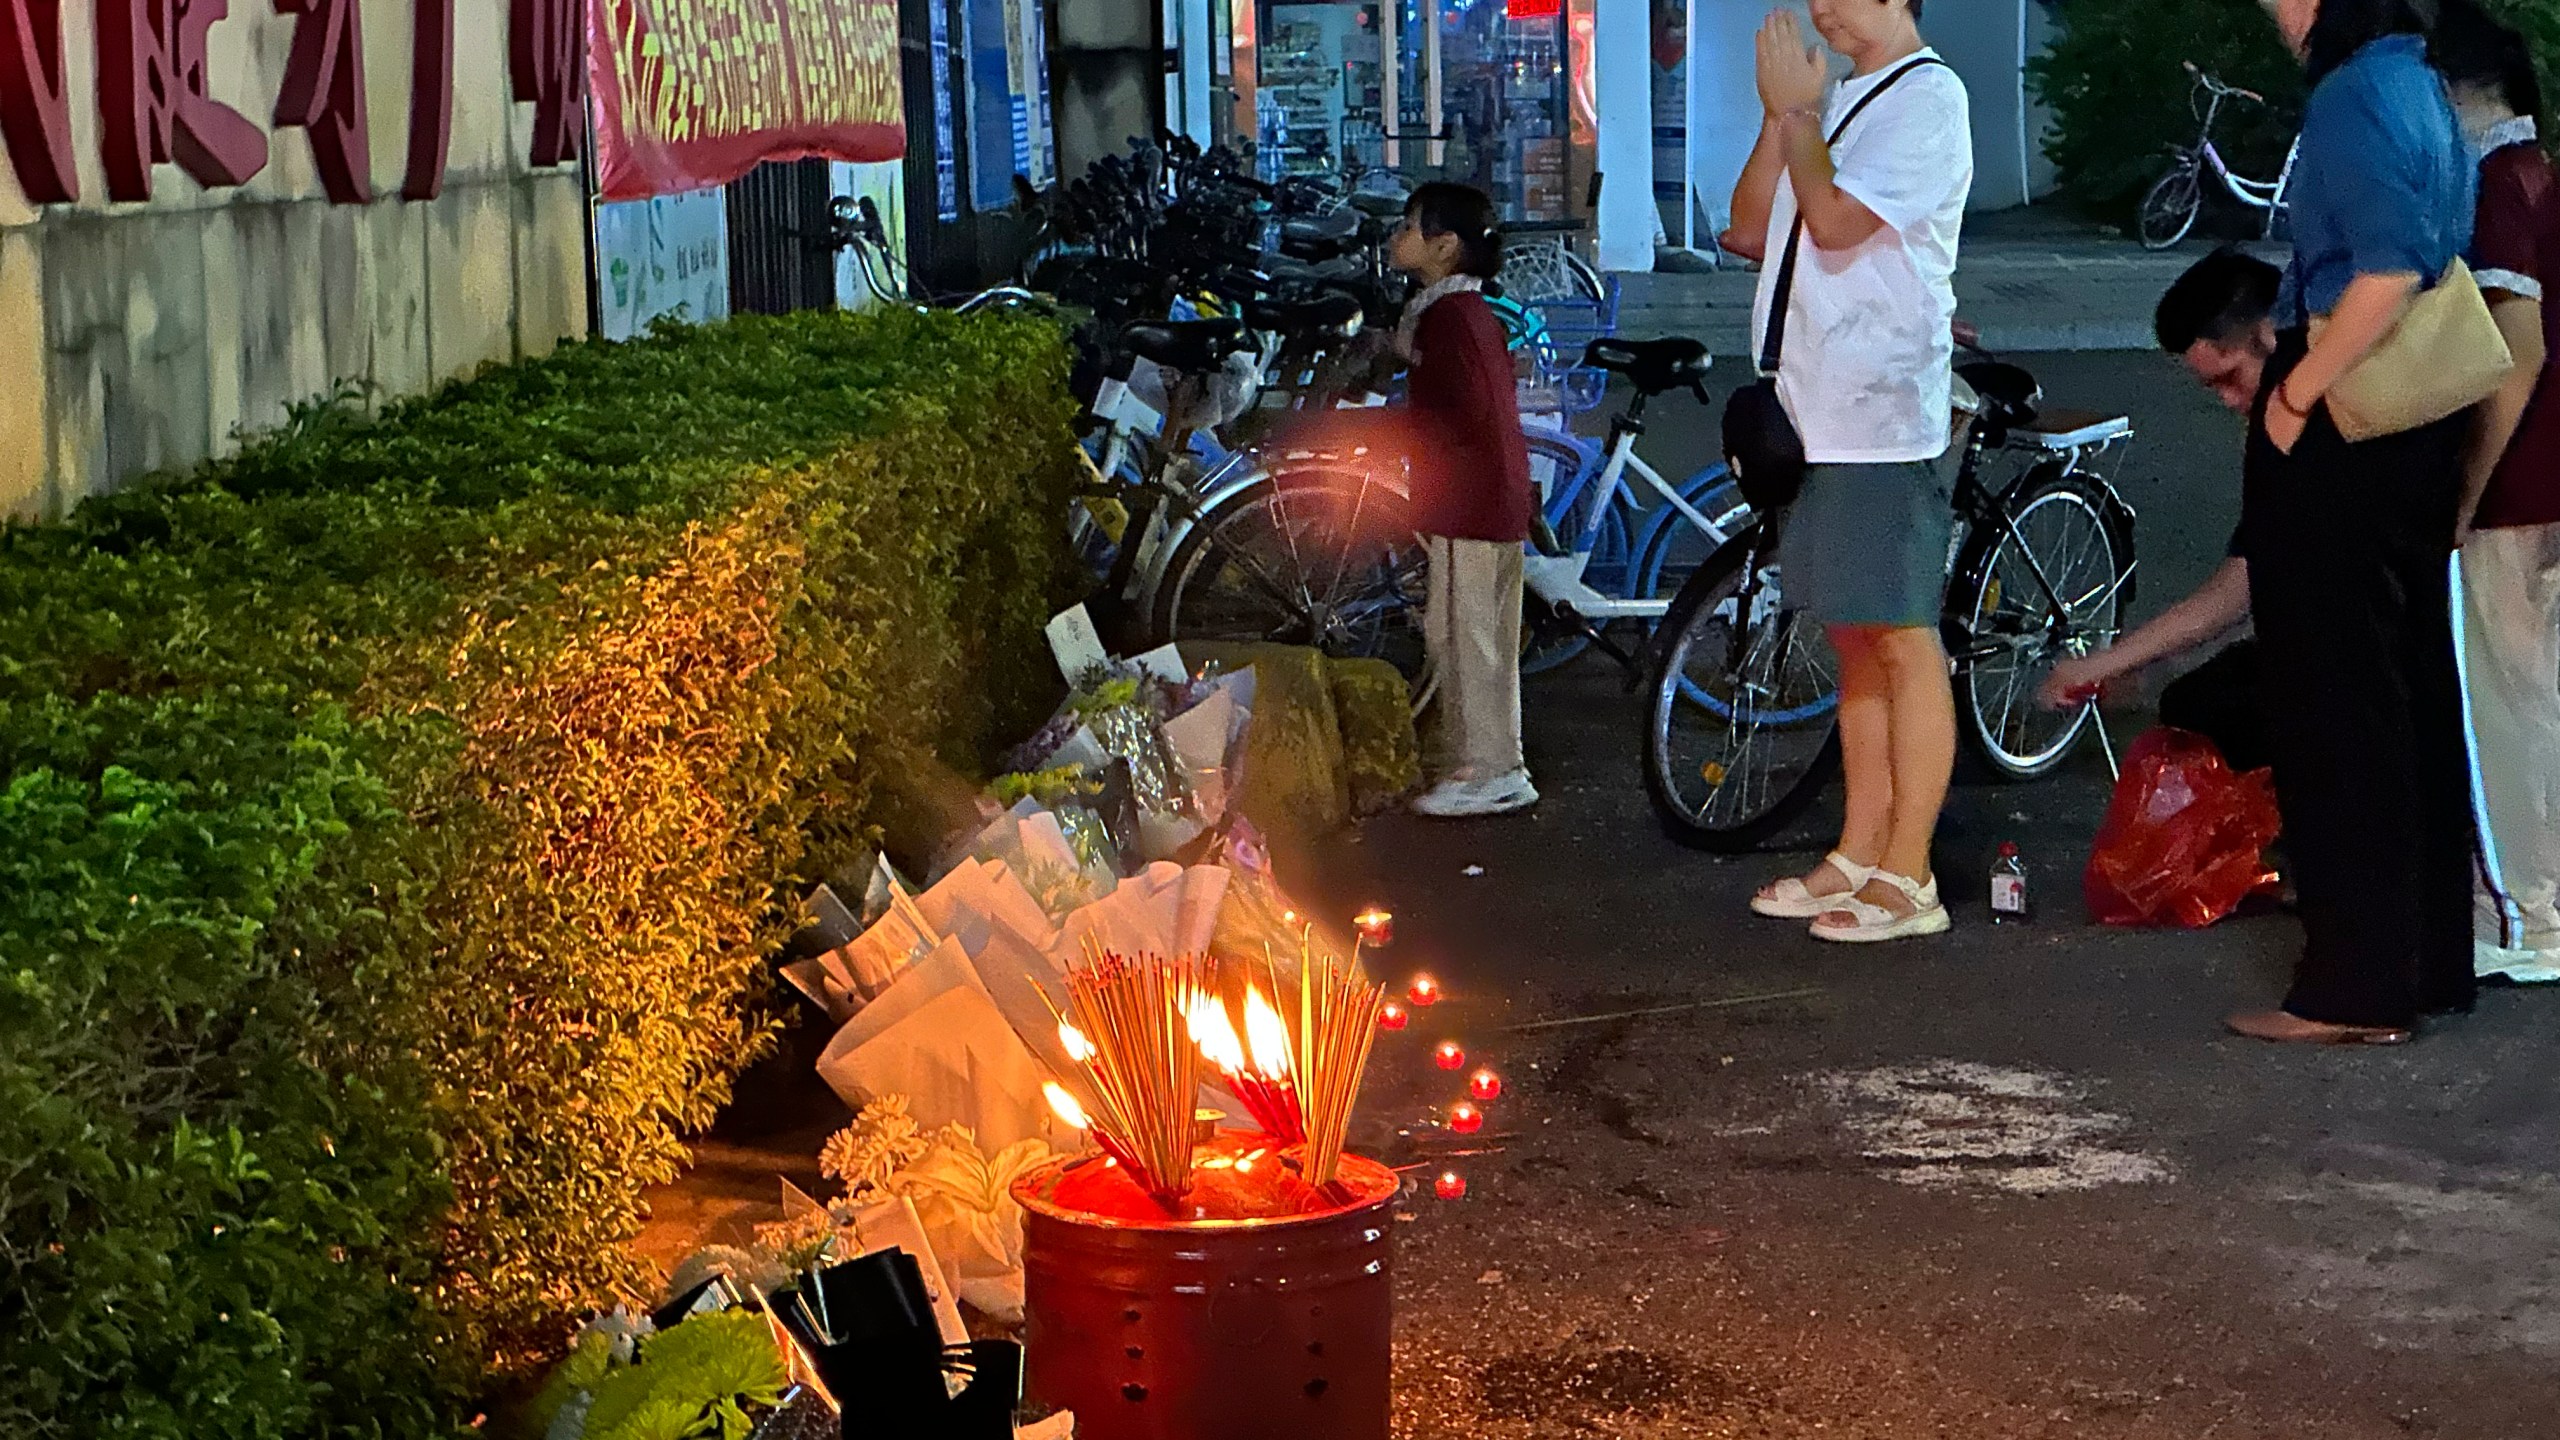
(2009, 634)
(1535, 270)
(1317, 557)
(2169, 211)
(1742, 728)
(1592, 521)
(1675, 551)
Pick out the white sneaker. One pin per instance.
(1462, 799)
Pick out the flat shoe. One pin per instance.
(1871, 924)
(2283, 1027)
(1790, 900)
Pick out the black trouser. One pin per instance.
(2219, 700)
(2349, 549)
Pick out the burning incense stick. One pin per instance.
(1132, 1035)
(1262, 1081)
(1337, 1020)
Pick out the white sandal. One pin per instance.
(1790, 900)
(1869, 924)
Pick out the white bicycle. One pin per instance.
(2169, 211)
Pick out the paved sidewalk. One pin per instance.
(2033, 280)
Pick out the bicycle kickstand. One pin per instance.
(2106, 742)
(1575, 621)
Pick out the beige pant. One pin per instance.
(2511, 674)
(1471, 624)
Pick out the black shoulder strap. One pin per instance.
(1774, 345)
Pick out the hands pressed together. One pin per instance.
(1793, 74)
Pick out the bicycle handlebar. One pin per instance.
(2208, 81)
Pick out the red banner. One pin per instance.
(693, 93)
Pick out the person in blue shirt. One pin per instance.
(2349, 547)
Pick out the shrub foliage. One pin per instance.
(398, 814)
(2120, 100)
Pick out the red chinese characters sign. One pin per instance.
(690, 93)
(154, 107)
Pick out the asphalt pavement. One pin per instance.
(2036, 279)
(2011, 1182)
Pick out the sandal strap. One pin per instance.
(1850, 870)
(1871, 916)
(1867, 915)
(1923, 894)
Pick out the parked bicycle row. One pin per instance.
(1242, 486)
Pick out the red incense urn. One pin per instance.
(1263, 1311)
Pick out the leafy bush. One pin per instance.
(2120, 100)
(399, 814)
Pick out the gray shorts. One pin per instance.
(1867, 544)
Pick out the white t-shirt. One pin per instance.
(1869, 341)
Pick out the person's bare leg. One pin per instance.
(1923, 755)
(1866, 757)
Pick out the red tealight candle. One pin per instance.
(1465, 1119)
(1485, 1085)
(1450, 1186)
(1425, 991)
(1391, 1016)
(1377, 928)
(1450, 1056)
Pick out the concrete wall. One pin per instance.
(1985, 41)
(138, 337)
(1980, 38)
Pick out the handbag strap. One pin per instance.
(1774, 345)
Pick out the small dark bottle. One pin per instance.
(2008, 886)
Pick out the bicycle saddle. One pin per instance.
(1188, 345)
(1331, 225)
(2009, 395)
(1335, 271)
(1298, 319)
(1314, 249)
(1655, 366)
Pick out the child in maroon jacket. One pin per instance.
(1471, 498)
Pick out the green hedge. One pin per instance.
(2119, 98)
(398, 817)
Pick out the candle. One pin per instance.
(1391, 1016)
(1425, 992)
(1450, 1056)
(1485, 1085)
(1377, 928)
(1450, 1186)
(1465, 1119)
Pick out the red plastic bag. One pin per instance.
(2185, 839)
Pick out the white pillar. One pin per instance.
(1199, 42)
(1434, 94)
(1622, 77)
(1390, 80)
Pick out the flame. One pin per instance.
(1215, 1034)
(1065, 1104)
(1079, 1049)
(1268, 1033)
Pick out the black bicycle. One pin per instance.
(1742, 729)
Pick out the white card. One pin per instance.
(1076, 644)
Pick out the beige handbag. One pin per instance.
(2444, 357)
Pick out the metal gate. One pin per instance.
(779, 257)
